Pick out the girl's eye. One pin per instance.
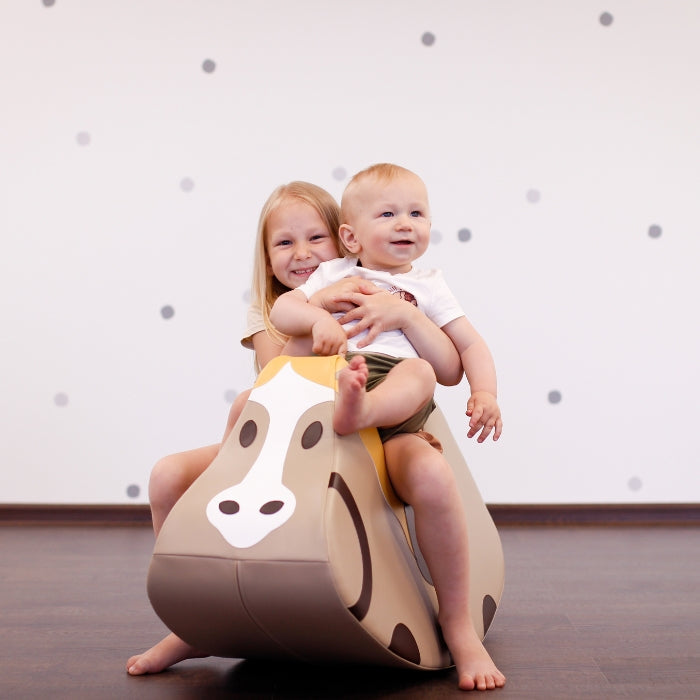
(282, 243)
(319, 237)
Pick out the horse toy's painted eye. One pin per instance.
(312, 435)
(248, 433)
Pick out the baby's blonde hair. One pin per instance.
(266, 287)
(381, 172)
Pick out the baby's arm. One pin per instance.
(434, 345)
(377, 310)
(482, 407)
(294, 316)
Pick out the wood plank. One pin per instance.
(587, 612)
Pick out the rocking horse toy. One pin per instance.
(292, 544)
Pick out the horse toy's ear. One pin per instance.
(292, 545)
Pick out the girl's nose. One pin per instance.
(301, 252)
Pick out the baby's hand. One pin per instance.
(485, 415)
(328, 337)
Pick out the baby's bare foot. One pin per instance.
(480, 674)
(167, 652)
(350, 403)
(475, 668)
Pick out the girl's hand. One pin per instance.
(376, 310)
(485, 416)
(336, 297)
(328, 337)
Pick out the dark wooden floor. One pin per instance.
(587, 613)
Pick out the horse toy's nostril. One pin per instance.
(229, 507)
(271, 507)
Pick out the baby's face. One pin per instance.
(389, 223)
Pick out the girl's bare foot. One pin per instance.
(167, 652)
(475, 668)
(350, 413)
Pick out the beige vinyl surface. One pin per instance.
(336, 578)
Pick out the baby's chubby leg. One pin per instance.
(423, 478)
(407, 388)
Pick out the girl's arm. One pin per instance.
(482, 407)
(294, 316)
(266, 348)
(377, 310)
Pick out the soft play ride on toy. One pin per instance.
(292, 545)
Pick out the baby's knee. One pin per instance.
(422, 370)
(438, 483)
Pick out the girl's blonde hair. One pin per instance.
(266, 287)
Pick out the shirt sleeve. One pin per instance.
(254, 324)
(444, 305)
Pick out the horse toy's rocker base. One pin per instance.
(293, 545)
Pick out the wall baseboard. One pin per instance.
(504, 515)
(78, 514)
(605, 514)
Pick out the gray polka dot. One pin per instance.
(83, 138)
(230, 395)
(634, 483)
(435, 237)
(428, 38)
(606, 19)
(655, 231)
(133, 491)
(61, 399)
(167, 312)
(464, 235)
(554, 396)
(340, 173)
(208, 66)
(48, 3)
(533, 196)
(187, 184)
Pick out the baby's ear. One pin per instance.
(347, 236)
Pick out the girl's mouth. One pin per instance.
(306, 272)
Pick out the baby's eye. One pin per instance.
(416, 213)
(387, 213)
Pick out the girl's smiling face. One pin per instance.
(297, 242)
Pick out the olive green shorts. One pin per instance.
(379, 366)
